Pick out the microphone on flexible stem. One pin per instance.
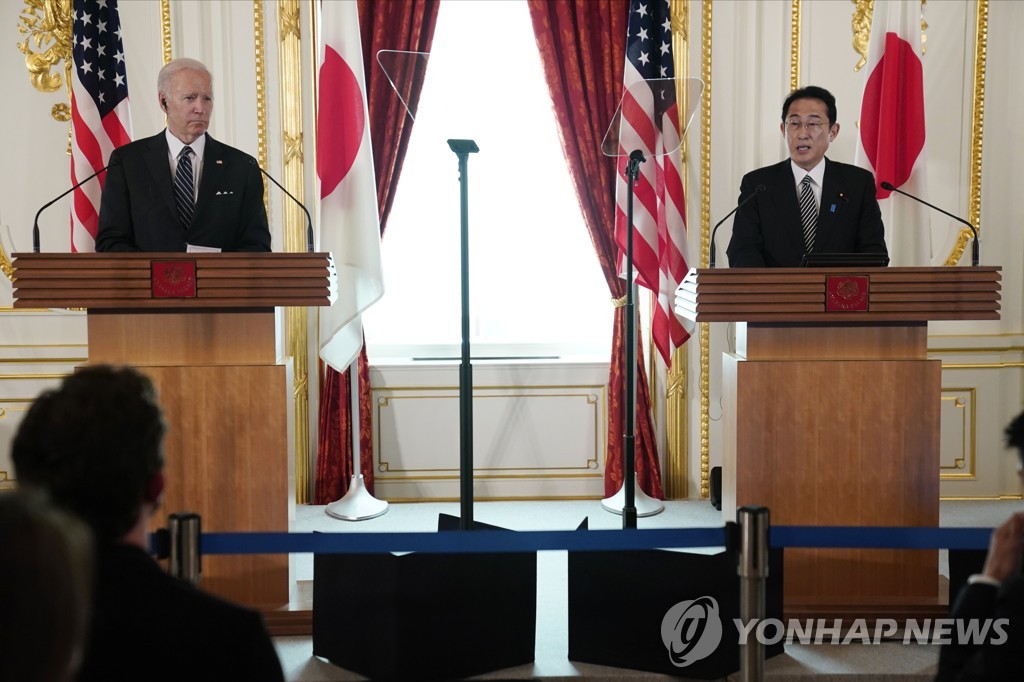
(975, 256)
(35, 223)
(309, 220)
(711, 250)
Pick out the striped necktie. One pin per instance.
(184, 187)
(808, 212)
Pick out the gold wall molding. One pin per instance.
(595, 396)
(977, 129)
(165, 29)
(261, 90)
(289, 35)
(983, 365)
(964, 466)
(794, 44)
(705, 241)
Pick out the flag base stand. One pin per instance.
(645, 506)
(357, 504)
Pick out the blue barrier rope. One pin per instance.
(858, 537)
(594, 540)
(453, 542)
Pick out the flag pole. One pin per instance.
(357, 504)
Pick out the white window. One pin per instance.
(536, 288)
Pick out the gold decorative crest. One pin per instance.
(46, 25)
(861, 24)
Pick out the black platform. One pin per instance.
(425, 616)
(618, 602)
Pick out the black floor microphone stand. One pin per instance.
(629, 439)
(463, 148)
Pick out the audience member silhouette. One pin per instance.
(995, 593)
(95, 444)
(45, 579)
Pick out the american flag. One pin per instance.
(100, 118)
(650, 120)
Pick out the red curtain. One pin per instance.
(583, 47)
(406, 25)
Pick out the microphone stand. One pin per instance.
(629, 440)
(628, 507)
(48, 204)
(463, 148)
(975, 252)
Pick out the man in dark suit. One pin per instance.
(833, 210)
(95, 445)
(182, 188)
(997, 592)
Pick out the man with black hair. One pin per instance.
(996, 592)
(810, 204)
(95, 445)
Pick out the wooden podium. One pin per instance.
(202, 326)
(831, 414)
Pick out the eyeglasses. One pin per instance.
(812, 127)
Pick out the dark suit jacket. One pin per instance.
(987, 661)
(137, 211)
(767, 232)
(147, 625)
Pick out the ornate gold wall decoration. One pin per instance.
(861, 22)
(47, 24)
(794, 45)
(294, 227)
(705, 241)
(977, 128)
(924, 28)
(261, 90)
(165, 29)
(6, 267)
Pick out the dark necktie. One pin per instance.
(184, 193)
(808, 212)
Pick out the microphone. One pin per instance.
(975, 256)
(309, 221)
(35, 223)
(711, 258)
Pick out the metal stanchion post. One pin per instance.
(753, 570)
(185, 561)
